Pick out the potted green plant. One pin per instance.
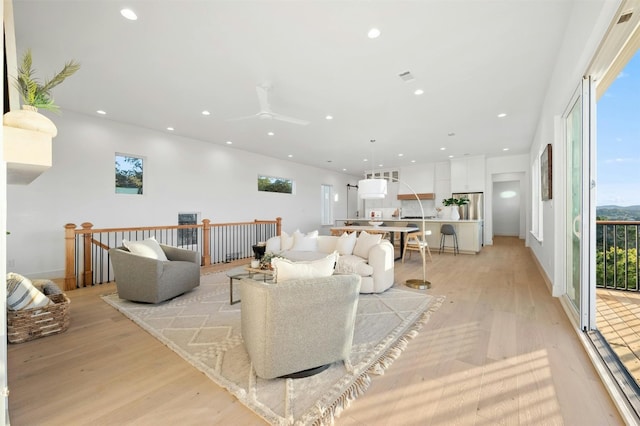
(36, 94)
(265, 262)
(454, 206)
(455, 201)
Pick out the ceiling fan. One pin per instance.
(266, 112)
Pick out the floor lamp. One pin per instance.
(375, 189)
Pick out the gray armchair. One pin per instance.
(142, 279)
(298, 325)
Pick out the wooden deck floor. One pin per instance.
(499, 351)
(618, 319)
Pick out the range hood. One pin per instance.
(421, 196)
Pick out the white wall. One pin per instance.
(181, 175)
(500, 169)
(586, 28)
(506, 208)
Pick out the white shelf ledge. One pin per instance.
(27, 153)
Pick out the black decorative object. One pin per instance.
(258, 251)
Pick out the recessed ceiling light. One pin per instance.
(171, 129)
(229, 142)
(290, 155)
(129, 14)
(344, 170)
(443, 148)
(270, 133)
(502, 114)
(418, 92)
(380, 165)
(329, 117)
(400, 155)
(373, 33)
(365, 160)
(451, 156)
(505, 149)
(101, 112)
(413, 161)
(205, 112)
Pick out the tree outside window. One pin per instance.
(275, 184)
(128, 174)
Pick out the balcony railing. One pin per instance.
(617, 255)
(87, 249)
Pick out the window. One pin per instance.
(275, 184)
(129, 176)
(536, 199)
(326, 213)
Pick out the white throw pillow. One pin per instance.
(303, 242)
(364, 243)
(346, 243)
(327, 243)
(285, 270)
(286, 240)
(147, 248)
(273, 245)
(21, 294)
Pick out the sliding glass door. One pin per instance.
(580, 219)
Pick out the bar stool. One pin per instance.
(445, 230)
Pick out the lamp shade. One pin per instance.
(369, 189)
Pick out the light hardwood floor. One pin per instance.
(499, 351)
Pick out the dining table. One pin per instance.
(370, 229)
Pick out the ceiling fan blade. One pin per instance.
(288, 119)
(263, 98)
(246, 117)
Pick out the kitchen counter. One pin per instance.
(392, 220)
(470, 238)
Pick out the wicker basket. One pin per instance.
(29, 324)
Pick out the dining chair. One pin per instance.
(416, 241)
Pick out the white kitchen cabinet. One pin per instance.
(468, 174)
(469, 233)
(443, 170)
(419, 177)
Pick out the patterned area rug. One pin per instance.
(204, 329)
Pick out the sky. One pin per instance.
(618, 139)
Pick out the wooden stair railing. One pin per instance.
(86, 249)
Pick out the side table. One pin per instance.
(240, 272)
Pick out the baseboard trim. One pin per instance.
(546, 279)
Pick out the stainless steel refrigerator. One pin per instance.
(474, 210)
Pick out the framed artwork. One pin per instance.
(129, 174)
(546, 177)
(275, 184)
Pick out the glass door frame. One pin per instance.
(584, 315)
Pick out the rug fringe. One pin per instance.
(343, 402)
(384, 362)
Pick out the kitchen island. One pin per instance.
(470, 232)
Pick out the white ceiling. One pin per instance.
(473, 59)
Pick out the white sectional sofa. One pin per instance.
(366, 255)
